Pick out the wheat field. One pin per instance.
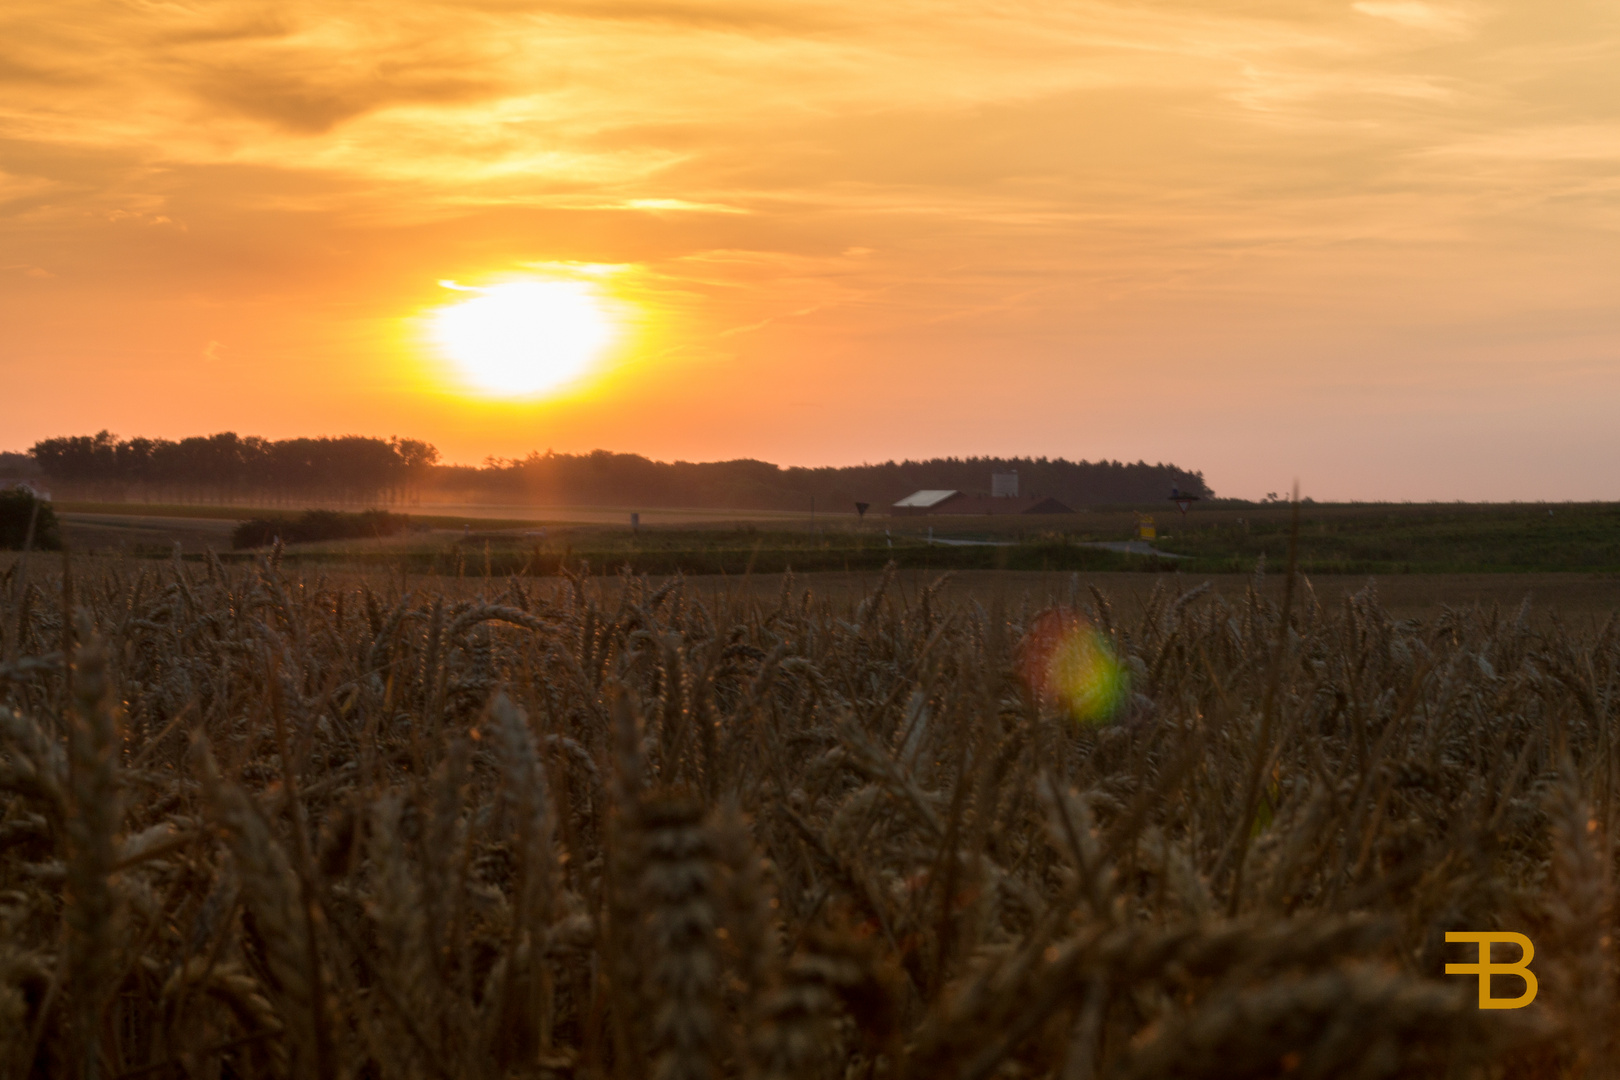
(260, 824)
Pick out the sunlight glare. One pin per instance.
(523, 337)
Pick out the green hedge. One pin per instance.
(17, 506)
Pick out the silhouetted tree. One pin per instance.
(227, 467)
(602, 477)
(353, 469)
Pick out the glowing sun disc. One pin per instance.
(523, 337)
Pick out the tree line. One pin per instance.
(227, 467)
(605, 478)
(353, 469)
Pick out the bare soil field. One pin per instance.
(145, 533)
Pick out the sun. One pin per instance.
(523, 337)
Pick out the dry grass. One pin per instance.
(258, 825)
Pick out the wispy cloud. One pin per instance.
(1420, 15)
(682, 206)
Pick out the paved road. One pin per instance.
(1132, 547)
(971, 543)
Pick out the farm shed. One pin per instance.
(923, 502)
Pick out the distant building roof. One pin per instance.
(923, 500)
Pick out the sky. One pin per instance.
(1368, 246)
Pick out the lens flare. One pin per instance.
(1071, 665)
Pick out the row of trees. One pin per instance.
(232, 468)
(604, 478)
(356, 470)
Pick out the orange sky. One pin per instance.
(1371, 245)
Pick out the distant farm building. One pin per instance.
(919, 503)
(922, 502)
